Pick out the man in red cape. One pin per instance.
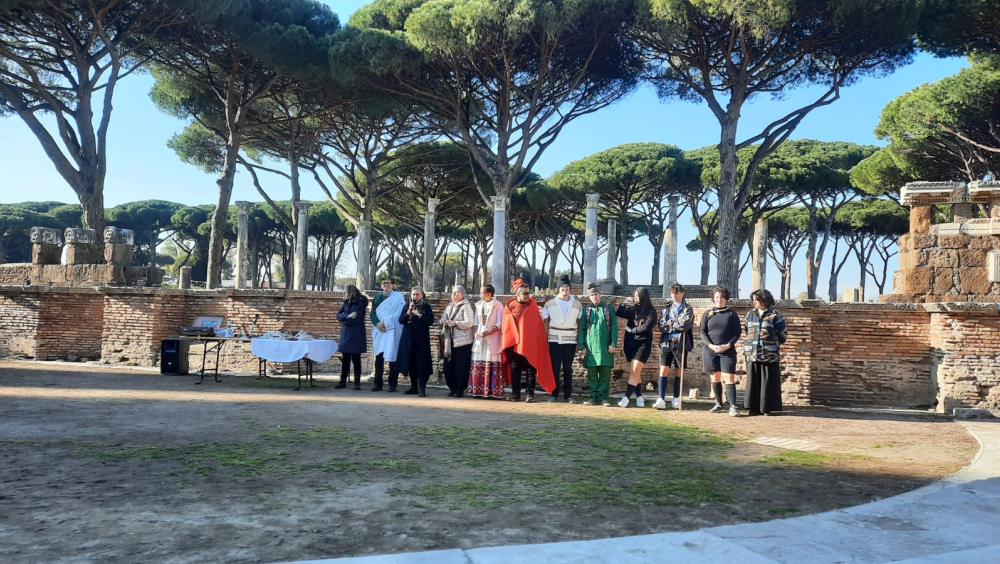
(525, 345)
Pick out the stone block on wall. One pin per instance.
(118, 253)
(944, 281)
(984, 242)
(920, 219)
(972, 257)
(941, 258)
(43, 253)
(924, 241)
(904, 244)
(916, 281)
(953, 241)
(974, 280)
(82, 253)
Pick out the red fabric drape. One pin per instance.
(526, 335)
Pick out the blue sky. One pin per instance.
(142, 167)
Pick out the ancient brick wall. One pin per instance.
(965, 347)
(903, 355)
(18, 324)
(70, 325)
(937, 267)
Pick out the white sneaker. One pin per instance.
(733, 412)
(639, 402)
(660, 404)
(675, 403)
(623, 402)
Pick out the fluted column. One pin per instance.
(612, 249)
(670, 248)
(430, 244)
(302, 245)
(243, 245)
(758, 278)
(590, 242)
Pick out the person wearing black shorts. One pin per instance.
(721, 328)
(676, 340)
(641, 316)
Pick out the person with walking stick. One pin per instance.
(676, 340)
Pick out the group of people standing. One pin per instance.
(489, 345)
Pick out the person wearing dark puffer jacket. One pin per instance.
(353, 342)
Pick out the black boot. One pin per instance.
(379, 367)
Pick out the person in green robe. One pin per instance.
(598, 342)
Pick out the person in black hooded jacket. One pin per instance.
(353, 337)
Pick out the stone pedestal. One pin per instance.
(185, 278)
(46, 245)
(118, 254)
(42, 253)
(82, 247)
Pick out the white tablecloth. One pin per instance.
(290, 351)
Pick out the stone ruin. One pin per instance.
(958, 261)
(77, 257)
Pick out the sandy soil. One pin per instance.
(101, 465)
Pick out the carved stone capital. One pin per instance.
(303, 207)
(432, 204)
(244, 207)
(673, 200)
(119, 236)
(592, 200)
(501, 203)
(46, 235)
(83, 236)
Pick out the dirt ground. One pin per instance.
(102, 465)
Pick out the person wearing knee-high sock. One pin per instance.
(414, 357)
(720, 330)
(640, 315)
(676, 340)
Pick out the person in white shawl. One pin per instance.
(386, 309)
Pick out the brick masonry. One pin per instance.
(890, 354)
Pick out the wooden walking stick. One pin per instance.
(680, 396)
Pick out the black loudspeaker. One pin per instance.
(174, 356)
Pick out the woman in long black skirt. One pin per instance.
(765, 331)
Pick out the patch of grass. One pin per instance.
(800, 458)
(882, 445)
(402, 465)
(705, 489)
(335, 435)
(456, 495)
(339, 466)
(783, 511)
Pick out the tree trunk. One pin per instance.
(655, 278)
(92, 202)
(812, 268)
(220, 216)
(727, 269)
(786, 280)
(832, 288)
(706, 264)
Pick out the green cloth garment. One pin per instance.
(379, 298)
(598, 330)
(599, 383)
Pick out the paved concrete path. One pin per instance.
(954, 520)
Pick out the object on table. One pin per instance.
(303, 336)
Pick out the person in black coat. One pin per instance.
(353, 337)
(641, 316)
(414, 357)
(721, 328)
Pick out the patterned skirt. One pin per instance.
(485, 379)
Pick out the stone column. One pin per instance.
(759, 277)
(302, 245)
(670, 248)
(362, 245)
(920, 219)
(590, 242)
(500, 206)
(243, 245)
(185, 278)
(612, 249)
(430, 244)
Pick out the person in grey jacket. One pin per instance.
(457, 333)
